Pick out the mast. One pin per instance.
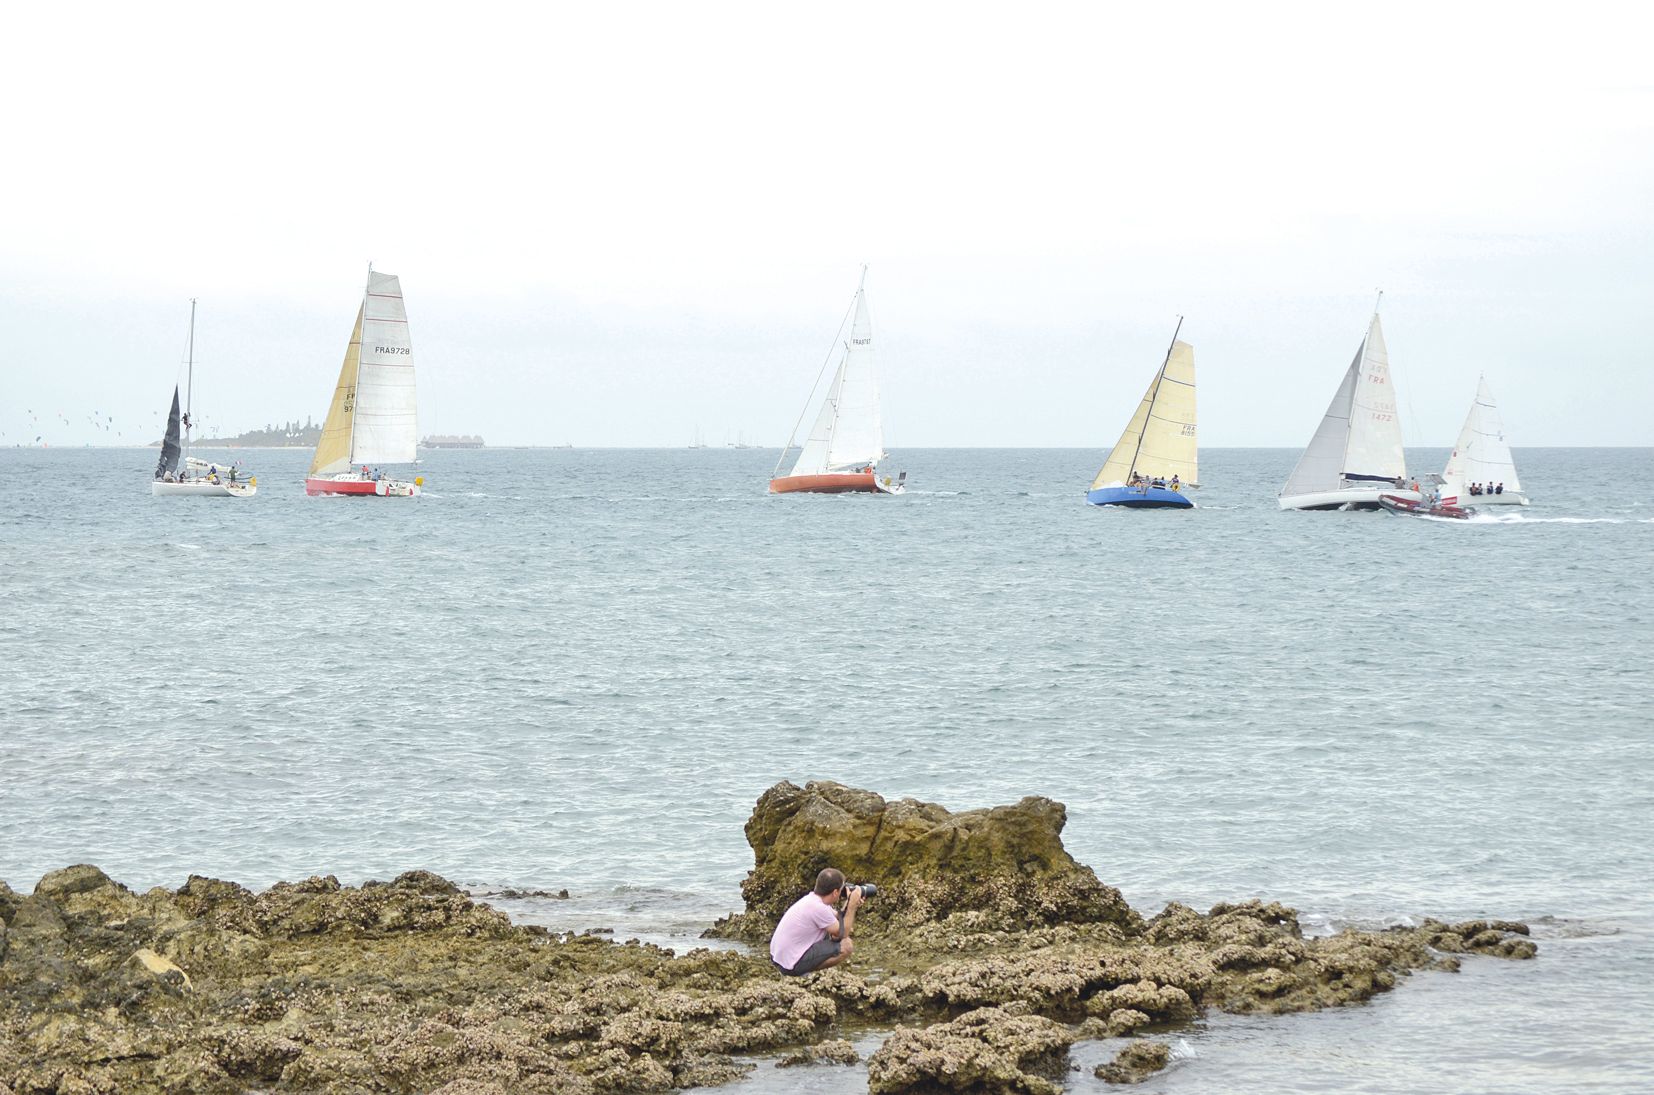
(1158, 377)
(189, 387)
(356, 382)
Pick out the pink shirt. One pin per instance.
(802, 927)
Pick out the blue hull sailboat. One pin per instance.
(1155, 459)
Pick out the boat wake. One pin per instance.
(1524, 519)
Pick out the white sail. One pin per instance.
(385, 429)
(1374, 450)
(1481, 455)
(1360, 435)
(848, 432)
(1159, 441)
(1321, 468)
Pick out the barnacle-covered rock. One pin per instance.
(988, 947)
(989, 1050)
(1006, 863)
(1136, 1063)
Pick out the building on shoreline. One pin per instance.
(452, 441)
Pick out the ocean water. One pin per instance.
(579, 668)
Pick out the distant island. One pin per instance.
(293, 435)
(288, 435)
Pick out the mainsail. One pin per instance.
(1359, 437)
(1481, 455)
(372, 419)
(386, 428)
(848, 433)
(1159, 441)
(172, 446)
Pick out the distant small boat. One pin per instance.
(196, 478)
(846, 443)
(1356, 452)
(1482, 457)
(1156, 456)
(1423, 507)
(372, 419)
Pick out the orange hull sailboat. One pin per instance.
(842, 453)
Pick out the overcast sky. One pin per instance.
(616, 224)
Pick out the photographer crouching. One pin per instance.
(811, 936)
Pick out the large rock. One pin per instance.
(988, 1051)
(1006, 862)
(1136, 1063)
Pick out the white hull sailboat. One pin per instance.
(842, 453)
(1482, 458)
(207, 480)
(1356, 453)
(1156, 457)
(194, 477)
(373, 417)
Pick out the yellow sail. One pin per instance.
(1159, 441)
(333, 450)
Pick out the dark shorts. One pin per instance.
(811, 960)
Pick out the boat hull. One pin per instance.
(202, 488)
(1139, 498)
(1394, 503)
(1344, 498)
(850, 482)
(354, 486)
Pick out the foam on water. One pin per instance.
(520, 681)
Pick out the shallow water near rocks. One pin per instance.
(579, 668)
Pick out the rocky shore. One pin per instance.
(988, 952)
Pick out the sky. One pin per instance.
(626, 224)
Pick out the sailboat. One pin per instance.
(1482, 456)
(846, 443)
(1356, 451)
(1155, 457)
(197, 478)
(372, 419)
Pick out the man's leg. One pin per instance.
(844, 946)
(827, 952)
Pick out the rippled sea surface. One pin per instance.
(579, 668)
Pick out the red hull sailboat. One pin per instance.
(373, 417)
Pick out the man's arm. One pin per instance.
(841, 930)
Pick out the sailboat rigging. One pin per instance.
(1481, 470)
(846, 443)
(1156, 457)
(196, 477)
(1356, 452)
(373, 417)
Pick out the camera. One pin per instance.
(867, 889)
